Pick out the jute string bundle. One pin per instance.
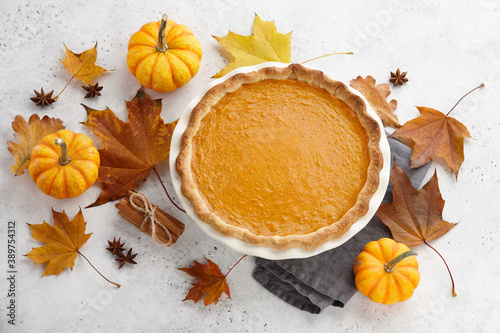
(149, 211)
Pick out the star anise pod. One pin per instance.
(115, 246)
(126, 258)
(93, 90)
(43, 99)
(398, 78)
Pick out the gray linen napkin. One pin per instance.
(312, 284)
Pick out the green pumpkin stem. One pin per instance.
(64, 158)
(162, 43)
(389, 267)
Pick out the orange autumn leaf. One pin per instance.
(376, 95)
(265, 44)
(434, 134)
(414, 217)
(63, 240)
(29, 134)
(211, 284)
(82, 65)
(130, 150)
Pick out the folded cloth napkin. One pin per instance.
(314, 283)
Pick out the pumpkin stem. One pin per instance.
(162, 43)
(64, 158)
(389, 267)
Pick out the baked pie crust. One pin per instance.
(281, 157)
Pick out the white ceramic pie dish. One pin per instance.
(261, 251)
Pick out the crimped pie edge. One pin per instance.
(306, 241)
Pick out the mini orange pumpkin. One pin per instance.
(163, 55)
(64, 164)
(386, 271)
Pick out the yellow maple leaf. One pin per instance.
(82, 65)
(64, 239)
(265, 44)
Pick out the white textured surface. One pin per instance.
(447, 47)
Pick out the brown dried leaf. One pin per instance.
(434, 134)
(376, 95)
(414, 216)
(130, 150)
(29, 134)
(212, 283)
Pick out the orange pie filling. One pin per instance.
(280, 157)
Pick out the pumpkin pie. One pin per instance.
(280, 157)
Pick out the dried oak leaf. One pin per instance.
(82, 65)
(376, 95)
(29, 134)
(63, 240)
(265, 44)
(130, 150)
(434, 134)
(414, 216)
(212, 283)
